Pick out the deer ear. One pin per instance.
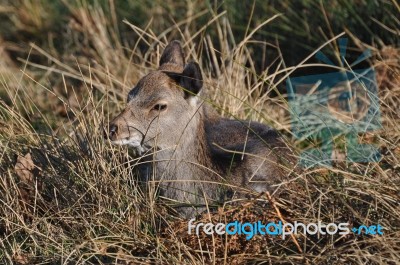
(191, 79)
(173, 54)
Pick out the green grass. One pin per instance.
(69, 71)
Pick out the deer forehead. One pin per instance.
(154, 86)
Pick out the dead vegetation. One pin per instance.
(69, 197)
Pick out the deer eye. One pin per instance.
(160, 107)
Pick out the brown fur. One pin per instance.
(193, 148)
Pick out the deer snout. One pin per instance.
(120, 134)
(112, 132)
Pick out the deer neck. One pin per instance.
(190, 157)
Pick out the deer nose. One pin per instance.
(113, 131)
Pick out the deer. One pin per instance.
(195, 152)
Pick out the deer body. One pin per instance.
(192, 148)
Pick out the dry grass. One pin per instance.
(75, 199)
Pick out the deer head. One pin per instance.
(162, 106)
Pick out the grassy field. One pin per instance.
(67, 196)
